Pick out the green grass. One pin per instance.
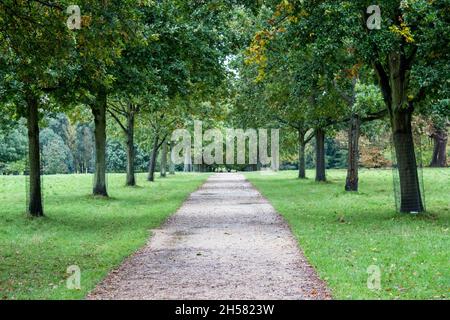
(95, 234)
(342, 234)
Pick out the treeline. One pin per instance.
(66, 148)
(321, 67)
(313, 69)
(138, 63)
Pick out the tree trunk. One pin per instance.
(411, 200)
(440, 138)
(164, 159)
(320, 156)
(152, 163)
(351, 183)
(401, 114)
(258, 160)
(99, 112)
(131, 177)
(35, 205)
(171, 164)
(301, 155)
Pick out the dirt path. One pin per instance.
(225, 242)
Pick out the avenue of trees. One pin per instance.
(107, 96)
(330, 53)
(126, 58)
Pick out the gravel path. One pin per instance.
(225, 242)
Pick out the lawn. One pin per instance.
(94, 234)
(342, 234)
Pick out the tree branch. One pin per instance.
(116, 109)
(384, 83)
(375, 116)
(288, 123)
(117, 120)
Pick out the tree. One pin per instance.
(408, 41)
(36, 44)
(366, 105)
(129, 110)
(440, 139)
(277, 51)
(189, 54)
(56, 156)
(438, 114)
(13, 146)
(162, 123)
(116, 156)
(407, 54)
(106, 30)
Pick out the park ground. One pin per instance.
(93, 233)
(341, 234)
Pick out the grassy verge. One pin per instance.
(342, 234)
(94, 234)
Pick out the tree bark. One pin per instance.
(152, 163)
(35, 207)
(440, 139)
(163, 172)
(301, 155)
(131, 177)
(351, 183)
(401, 116)
(171, 164)
(320, 156)
(394, 85)
(99, 112)
(411, 200)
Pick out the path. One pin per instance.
(225, 242)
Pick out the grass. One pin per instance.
(94, 234)
(342, 234)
